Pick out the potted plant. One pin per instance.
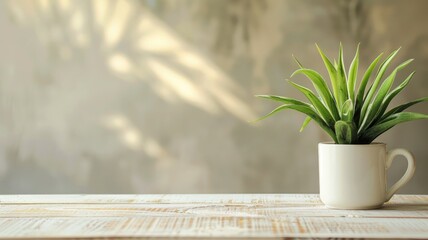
(352, 168)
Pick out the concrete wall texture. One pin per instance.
(155, 96)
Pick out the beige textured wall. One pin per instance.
(154, 96)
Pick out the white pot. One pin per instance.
(354, 176)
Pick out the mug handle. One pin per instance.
(407, 175)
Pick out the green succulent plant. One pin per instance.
(347, 114)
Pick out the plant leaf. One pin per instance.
(321, 88)
(373, 88)
(347, 113)
(362, 87)
(305, 123)
(390, 96)
(374, 108)
(297, 61)
(317, 104)
(284, 100)
(402, 107)
(346, 132)
(352, 76)
(305, 110)
(341, 79)
(372, 133)
(332, 72)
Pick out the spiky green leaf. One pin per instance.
(341, 79)
(374, 108)
(305, 110)
(305, 123)
(321, 88)
(372, 133)
(352, 75)
(346, 132)
(283, 100)
(332, 72)
(402, 107)
(390, 96)
(297, 61)
(318, 105)
(373, 88)
(362, 87)
(347, 113)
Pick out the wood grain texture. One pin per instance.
(231, 215)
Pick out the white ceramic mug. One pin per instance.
(354, 176)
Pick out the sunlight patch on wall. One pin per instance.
(77, 21)
(155, 37)
(117, 22)
(64, 5)
(77, 25)
(132, 138)
(45, 5)
(182, 86)
(100, 11)
(175, 70)
(120, 63)
(194, 78)
(129, 134)
(220, 86)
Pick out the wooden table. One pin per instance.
(202, 216)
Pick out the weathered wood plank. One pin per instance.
(213, 226)
(252, 215)
(214, 210)
(165, 198)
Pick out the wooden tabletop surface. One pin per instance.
(203, 216)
